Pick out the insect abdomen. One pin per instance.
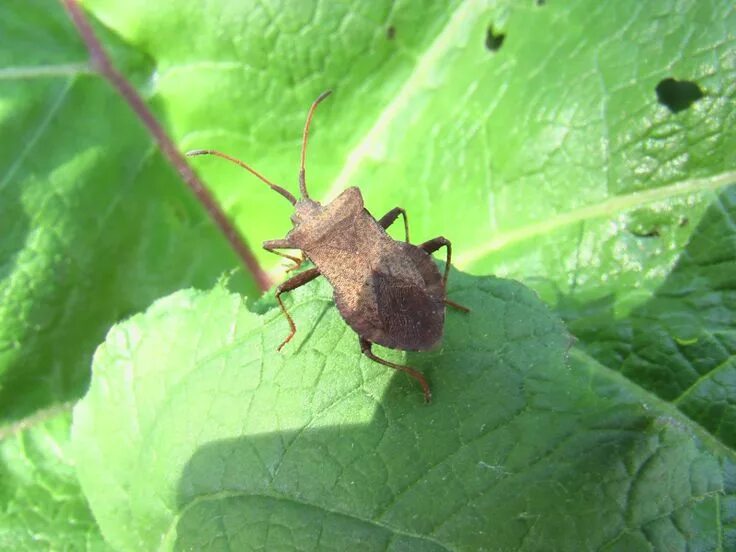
(400, 302)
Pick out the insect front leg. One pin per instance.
(289, 285)
(272, 245)
(298, 264)
(365, 348)
(430, 247)
(389, 218)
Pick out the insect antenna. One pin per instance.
(274, 187)
(302, 180)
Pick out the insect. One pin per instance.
(390, 293)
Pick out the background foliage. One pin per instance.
(583, 148)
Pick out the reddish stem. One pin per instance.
(101, 63)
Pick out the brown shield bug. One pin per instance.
(389, 292)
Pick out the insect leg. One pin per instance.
(430, 247)
(272, 245)
(289, 285)
(365, 348)
(457, 306)
(389, 218)
(297, 265)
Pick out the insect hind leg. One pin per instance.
(365, 348)
(457, 306)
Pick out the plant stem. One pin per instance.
(101, 63)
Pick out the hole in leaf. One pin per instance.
(653, 233)
(391, 32)
(541, 2)
(677, 95)
(494, 40)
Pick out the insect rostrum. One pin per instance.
(389, 292)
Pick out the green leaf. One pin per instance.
(42, 505)
(681, 344)
(541, 160)
(579, 156)
(566, 157)
(93, 224)
(197, 434)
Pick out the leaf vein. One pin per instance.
(607, 207)
(36, 135)
(170, 533)
(45, 71)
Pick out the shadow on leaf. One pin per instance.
(518, 450)
(680, 344)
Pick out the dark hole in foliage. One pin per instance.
(677, 95)
(494, 40)
(541, 2)
(684, 221)
(653, 233)
(391, 32)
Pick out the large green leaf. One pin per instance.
(550, 157)
(93, 224)
(42, 504)
(196, 434)
(545, 158)
(579, 155)
(681, 344)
